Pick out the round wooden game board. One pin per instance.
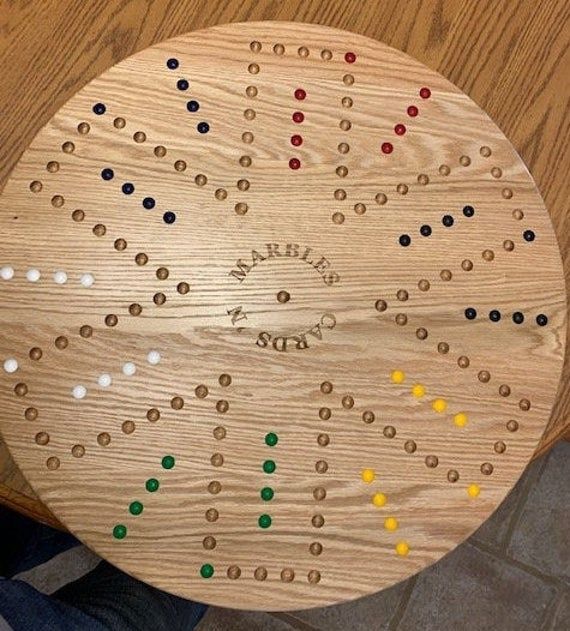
(282, 315)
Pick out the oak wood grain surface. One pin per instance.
(287, 302)
(490, 50)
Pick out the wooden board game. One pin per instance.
(282, 317)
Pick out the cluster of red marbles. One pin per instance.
(400, 128)
(298, 116)
(297, 139)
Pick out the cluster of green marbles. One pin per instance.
(136, 508)
(267, 493)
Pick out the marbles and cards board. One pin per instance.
(282, 315)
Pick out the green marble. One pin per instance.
(152, 485)
(207, 571)
(168, 462)
(264, 521)
(135, 508)
(119, 531)
(269, 466)
(267, 493)
(271, 439)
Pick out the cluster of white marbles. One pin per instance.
(33, 275)
(105, 380)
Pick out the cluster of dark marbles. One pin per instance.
(495, 316)
(128, 188)
(447, 220)
(192, 105)
(182, 85)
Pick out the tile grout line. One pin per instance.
(403, 603)
(528, 483)
(292, 620)
(552, 611)
(554, 581)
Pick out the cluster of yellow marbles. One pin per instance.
(438, 405)
(379, 500)
(419, 390)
